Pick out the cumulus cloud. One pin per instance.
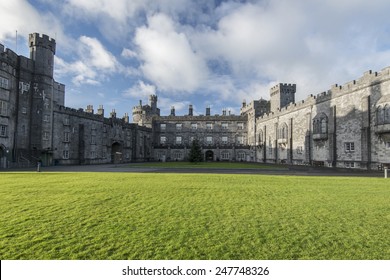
(20, 15)
(140, 90)
(167, 57)
(94, 65)
(219, 51)
(127, 53)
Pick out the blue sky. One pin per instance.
(205, 53)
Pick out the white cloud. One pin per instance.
(127, 53)
(140, 90)
(96, 55)
(94, 65)
(167, 57)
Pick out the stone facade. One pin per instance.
(36, 126)
(346, 126)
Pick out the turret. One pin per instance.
(42, 50)
(282, 95)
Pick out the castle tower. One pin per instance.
(153, 103)
(282, 95)
(42, 50)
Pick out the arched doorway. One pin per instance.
(116, 153)
(209, 156)
(3, 157)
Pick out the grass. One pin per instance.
(218, 165)
(192, 216)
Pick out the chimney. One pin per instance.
(223, 112)
(113, 114)
(190, 110)
(126, 118)
(89, 109)
(100, 111)
(172, 110)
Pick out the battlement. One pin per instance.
(35, 39)
(8, 55)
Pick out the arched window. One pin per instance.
(386, 112)
(283, 131)
(320, 124)
(379, 115)
(260, 137)
(324, 125)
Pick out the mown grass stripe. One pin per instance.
(192, 216)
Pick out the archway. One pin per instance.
(209, 156)
(116, 153)
(3, 157)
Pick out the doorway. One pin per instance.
(209, 156)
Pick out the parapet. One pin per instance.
(35, 39)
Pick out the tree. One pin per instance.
(195, 152)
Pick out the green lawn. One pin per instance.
(221, 164)
(192, 216)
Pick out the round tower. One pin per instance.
(42, 50)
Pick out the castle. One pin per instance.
(346, 126)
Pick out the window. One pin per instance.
(163, 126)
(349, 146)
(23, 87)
(299, 150)
(46, 118)
(225, 155)
(93, 154)
(240, 140)
(225, 125)
(260, 138)
(24, 110)
(65, 154)
(93, 139)
(379, 115)
(3, 131)
(177, 155)
(163, 140)
(66, 136)
(178, 140)
(4, 83)
(386, 113)
(241, 156)
(348, 164)
(240, 125)
(194, 126)
(209, 125)
(45, 135)
(3, 108)
(224, 139)
(66, 121)
(179, 126)
(324, 126)
(209, 140)
(283, 131)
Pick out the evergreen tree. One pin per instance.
(195, 152)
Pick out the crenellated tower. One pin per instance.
(142, 114)
(44, 94)
(282, 95)
(42, 51)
